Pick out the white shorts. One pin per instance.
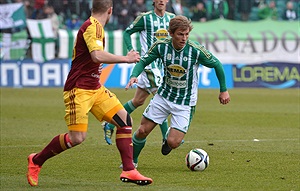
(160, 108)
(150, 80)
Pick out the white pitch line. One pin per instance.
(246, 140)
(253, 140)
(155, 142)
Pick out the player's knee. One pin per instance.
(123, 123)
(76, 140)
(173, 142)
(138, 102)
(142, 133)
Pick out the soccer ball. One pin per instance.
(197, 160)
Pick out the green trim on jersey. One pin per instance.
(180, 80)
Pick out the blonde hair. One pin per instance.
(180, 22)
(101, 6)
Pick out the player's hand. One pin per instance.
(131, 82)
(224, 97)
(133, 56)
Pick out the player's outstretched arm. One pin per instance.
(101, 56)
(224, 97)
(131, 82)
(133, 56)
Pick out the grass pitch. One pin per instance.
(253, 144)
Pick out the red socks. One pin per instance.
(58, 144)
(124, 144)
(62, 142)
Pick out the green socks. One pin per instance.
(138, 145)
(129, 107)
(164, 128)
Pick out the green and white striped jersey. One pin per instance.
(180, 80)
(151, 28)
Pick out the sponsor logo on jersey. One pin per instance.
(176, 70)
(161, 34)
(95, 75)
(176, 83)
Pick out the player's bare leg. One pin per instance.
(174, 140)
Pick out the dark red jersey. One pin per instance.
(84, 72)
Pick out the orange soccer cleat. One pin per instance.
(33, 171)
(135, 177)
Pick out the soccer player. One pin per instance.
(152, 26)
(177, 95)
(83, 93)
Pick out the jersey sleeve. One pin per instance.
(207, 59)
(136, 26)
(151, 55)
(94, 37)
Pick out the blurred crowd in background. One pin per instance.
(70, 14)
